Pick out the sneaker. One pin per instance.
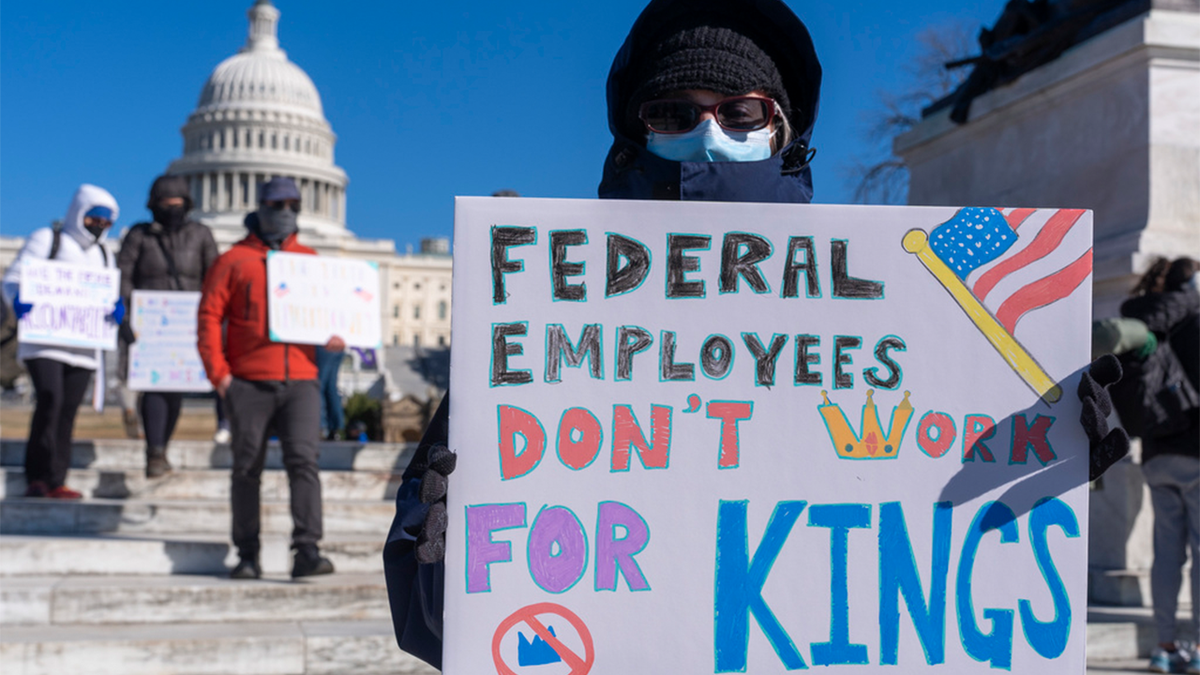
(64, 492)
(36, 488)
(222, 436)
(1163, 661)
(310, 563)
(247, 568)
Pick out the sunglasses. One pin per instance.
(279, 206)
(679, 115)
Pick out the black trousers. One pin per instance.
(293, 411)
(59, 389)
(160, 412)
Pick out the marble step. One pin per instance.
(208, 484)
(129, 454)
(280, 648)
(1129, 588)
(178, 517)
(1124, 632)
(73, 600)
(26, 555)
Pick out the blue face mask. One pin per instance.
(708, 142)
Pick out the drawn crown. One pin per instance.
(872, 442)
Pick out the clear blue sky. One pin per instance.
(429, 99)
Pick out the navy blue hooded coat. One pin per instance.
(630, 172)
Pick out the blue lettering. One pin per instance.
(739, 584)
(1049, 638)
(995, 646)
(839, 518)
(898, 575)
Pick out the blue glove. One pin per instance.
(20, 308)
(118, 313)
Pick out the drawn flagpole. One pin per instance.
(917, 243)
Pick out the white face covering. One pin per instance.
(708, 142)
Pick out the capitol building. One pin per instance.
(258, 116)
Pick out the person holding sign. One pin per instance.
(267, 386)
(707, 101)
(712, 101)
(60, 374)
(170, 253)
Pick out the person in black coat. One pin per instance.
(708, 100)
(1159, 402)
(169, 253)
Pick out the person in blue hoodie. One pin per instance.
(708, 100)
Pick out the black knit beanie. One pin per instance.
(704, 56)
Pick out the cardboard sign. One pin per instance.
(702, 437)
(310, 299)
(71, 304)
(165, 358)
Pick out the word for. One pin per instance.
(557, 550)
(741, 576)
(629, 263)
(715, 356)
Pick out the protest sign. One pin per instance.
(313, 298)
(165, 358)
(71, 304)
(713, 437)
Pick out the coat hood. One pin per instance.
(86, 197)
(632, 172)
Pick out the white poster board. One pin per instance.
(713, 437)
(312, 298)
(71, 304)
(165, 358)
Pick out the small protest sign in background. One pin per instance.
(312, 298)
(71, 304)
(165, 358)
(762, 438)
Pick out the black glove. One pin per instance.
(431, 542)
(1105, 446)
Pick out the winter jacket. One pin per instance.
(235, 292)
(144, 265)
(1158, 398)
(1157, 403)
(76, 246)
(1175, 318)
(630, 172)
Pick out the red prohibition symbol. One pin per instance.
(528, 615)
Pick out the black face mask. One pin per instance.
(170, 217)
(275, 225)
(96, 230)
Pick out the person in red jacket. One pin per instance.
(266, 386)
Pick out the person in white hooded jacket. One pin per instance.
(60, 374)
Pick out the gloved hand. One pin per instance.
(20, 308)
(431, 542)
(118, 314)
(1105, 446)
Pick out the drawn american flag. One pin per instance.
(1016, 260)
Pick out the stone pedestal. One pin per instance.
(1112, 125)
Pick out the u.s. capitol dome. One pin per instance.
(260, 115)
